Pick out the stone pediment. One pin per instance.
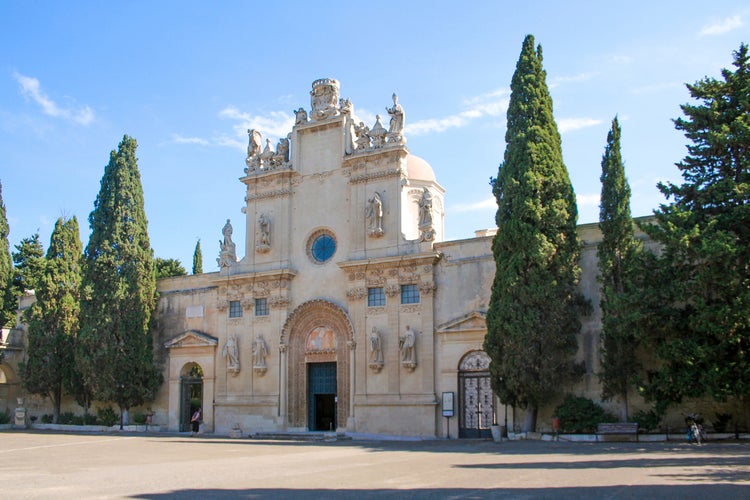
(192, 338)
(471, 322)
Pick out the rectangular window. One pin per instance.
(375, 296)
(409, 294)
(235, 309)
(261, 307)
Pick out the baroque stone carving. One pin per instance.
(407, 344)
(268, 159)
(358, 293)
(300, 116)
(376, 351)
(263, 241)
(260, 351)
(395, 132)
(374, 215)
(324, 98)
(392, 290)
(227, 255)
(231, 352)
(427, 287)
(378, 133)
(426, 229)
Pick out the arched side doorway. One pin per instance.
(476, 407)
(191, 393)
(318, 337)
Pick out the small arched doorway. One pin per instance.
(476, 411)
(191, 393)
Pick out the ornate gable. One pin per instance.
(474, 321)
(192, 338)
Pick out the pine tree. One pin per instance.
(29, 264)
(7, 297)
(198, 259)
(532, 321)
(114, 348)
(616, 254)
(167, 268)
(700, 326)
(53, 319)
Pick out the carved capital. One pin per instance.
(392, 290)
(427, 287)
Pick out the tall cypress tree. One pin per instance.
(7, 297)
(198, 259)
(532, 321)
(114, 348)
(29, 264)
(700, 330)
(53, 319)
(616, 254)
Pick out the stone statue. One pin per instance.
(363, 136)
(253, 149)
(264, 233)
(227, 256)
(378, 133)
(396, 130)
(282, 150)
(376, 350)
(260, 351)
(374, 215)
(300, 116)
(427, 232)
(231, 352)
(407, 346)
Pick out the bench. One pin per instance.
(617, 431)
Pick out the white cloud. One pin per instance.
(570, 124)
(490, 104)
(178, 139)
(723, 26)
(273, 125)
(486, 204)
(31, 88)
(581, 77)
(587, 200)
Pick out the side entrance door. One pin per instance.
(191, 398)
(321, 396)
(476, 411)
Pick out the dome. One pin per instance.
(418, 169)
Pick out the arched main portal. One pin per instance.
(318, 338)
(476, 411)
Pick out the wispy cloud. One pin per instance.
(178, 139)
(494, 103)
(31, 88)
(581, 77)
(479, 206)
(570, 124)
(723, 26)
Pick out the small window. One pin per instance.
(235, 309)
(409, 294)
(261, 307)
(375, 296)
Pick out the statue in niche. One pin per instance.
(253, 149)
(395, 132)
(374, 215)
(260, 351)
(378, 133)
(376, 350)
(264, 234)
(227, 256)
(407, 346)
(427, 232)
(300, 116)
(363, 136)
(231, 352)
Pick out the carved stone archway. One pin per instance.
(307, 319)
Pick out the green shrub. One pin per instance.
(139, 418)
(66, 418)
(4, 418)
(107, 416)
(647, 420)
(47, 419)
(580, 415)
(89, 419)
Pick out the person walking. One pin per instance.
(195, 422)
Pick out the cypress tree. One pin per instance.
(166, 268)
(29, 264)
(7, 297)
(616, 255)
(700, 328)
(532, 319)
(114, 347)
(53, 319)
(198, 259)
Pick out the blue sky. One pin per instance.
(187, 79)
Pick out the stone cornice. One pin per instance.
(420, 259)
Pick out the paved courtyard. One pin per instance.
(55, 465)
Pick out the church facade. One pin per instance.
(348, 311)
